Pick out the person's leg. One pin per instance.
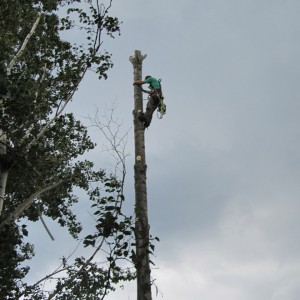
(151, 107)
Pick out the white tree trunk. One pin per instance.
(3, 170)
(23, 47)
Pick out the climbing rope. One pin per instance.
(162, 108)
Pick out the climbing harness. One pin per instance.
(161, 106)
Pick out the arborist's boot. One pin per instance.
(144, 118)
(147, 118)
(141, 117)
(146, 124)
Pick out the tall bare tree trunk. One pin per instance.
(141, 209)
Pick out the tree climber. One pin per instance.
(155, 94)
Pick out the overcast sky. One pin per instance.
(224, 163)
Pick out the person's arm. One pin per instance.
(139, 82)
(145, 91)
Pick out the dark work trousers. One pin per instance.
(152, 105)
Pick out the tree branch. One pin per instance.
(117, 143)
(21, 50)
(58, 270)
(44, 223)
(78, 272)
(24, 205)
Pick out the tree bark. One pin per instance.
(141, 209)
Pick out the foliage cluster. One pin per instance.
(41, 145)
